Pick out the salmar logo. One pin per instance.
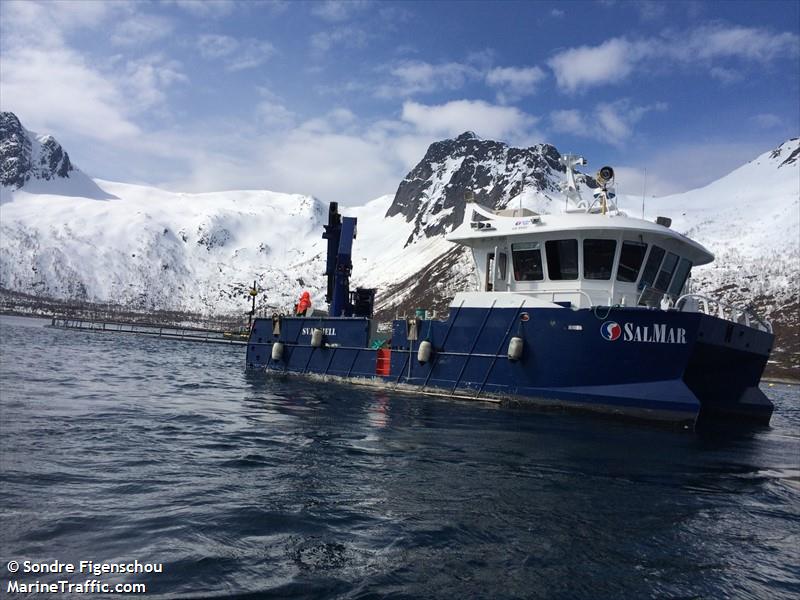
(656, 333)
(610, 330)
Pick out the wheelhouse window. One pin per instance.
(651, 267)
(665, 274)
(562, 259)
(527, 258)
(681, 273)
(631, 258)
(598, 258)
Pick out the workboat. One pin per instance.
(588, 309)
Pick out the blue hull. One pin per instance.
(649, 364)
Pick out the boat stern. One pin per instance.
(725, 368)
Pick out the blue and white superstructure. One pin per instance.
(586, 309)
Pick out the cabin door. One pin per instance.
(496, 272)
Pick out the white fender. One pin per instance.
(277, 351)
(424, 352)
(316, 338)
(515, 348)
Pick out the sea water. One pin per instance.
(122, 450)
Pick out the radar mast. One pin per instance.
(570, 186)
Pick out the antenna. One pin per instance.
(644, 190)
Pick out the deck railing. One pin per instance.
(738, 314)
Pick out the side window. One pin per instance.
(527, 258)
(665, 274)
(681, 273)
(562, 259)
(598, 258)
(651, 268)
(630, 261)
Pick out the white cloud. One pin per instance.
(44, 24)
(346, 36)
(610, 122)
(568, 121)
(614, 60)
(116, 104)
(724, 75)
(415, 77)
(453, 118)
(650, 10)
(317, 156)
(338, 120)
(338, 10)
(216, 46)
(313, 157)
(57, 90)
(767, 120)
(683, 167)
(515, 82)
(322, 164)
(207, 8)
(588, 66)
(613, 122)
(747, 43)
(557, 13)
(632, 181)
(147, 79)
(274, 115)
(238, 54)
(141, 29)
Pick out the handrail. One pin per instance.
(751, 319)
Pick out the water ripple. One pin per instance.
(122, 448)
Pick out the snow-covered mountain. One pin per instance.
(64, 235)
(750, 219)
(39, 163)
(432, 194)
(24, 156)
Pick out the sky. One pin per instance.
(340, 99)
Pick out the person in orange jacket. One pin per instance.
(303, 305)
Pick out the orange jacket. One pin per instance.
(304, 304)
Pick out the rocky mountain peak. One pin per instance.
(25, 156)
(433, 193)
(788, 152)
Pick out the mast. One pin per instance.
(340, 233)
(570, 186)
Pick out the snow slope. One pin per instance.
(750, 220)
(151, 249)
